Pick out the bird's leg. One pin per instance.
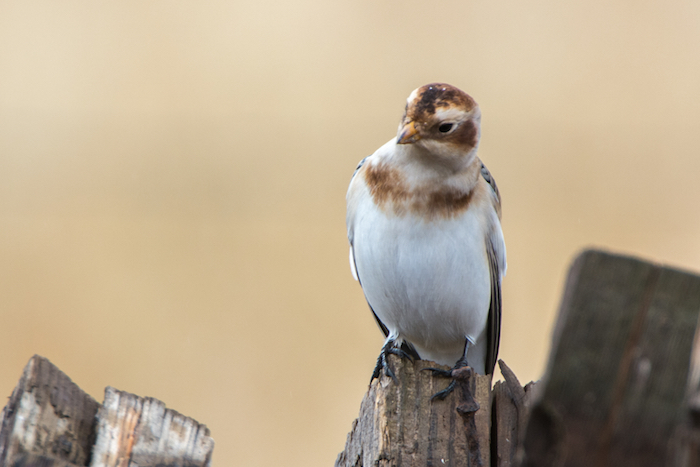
(383, 360)
(452, 373)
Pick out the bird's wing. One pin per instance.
(499, 246)
(359, 166)
(350, 219)
(493, 324)
(492, 182)
(496, 253)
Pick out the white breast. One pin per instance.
(428, 282)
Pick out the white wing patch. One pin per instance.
(353, 269)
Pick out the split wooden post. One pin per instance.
(133, 430)
(400, 426)
(50, 422)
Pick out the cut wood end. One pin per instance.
(144, 431)
(50, 421)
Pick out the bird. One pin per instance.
(426, 244)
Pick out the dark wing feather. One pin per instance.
(493, 324)
(358, 168)
(492, 182)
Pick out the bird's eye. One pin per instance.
(445, 127)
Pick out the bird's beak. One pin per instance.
(408, 134)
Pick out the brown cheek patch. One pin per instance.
(467, 135)
(389, 191)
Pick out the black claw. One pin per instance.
(383, 362)
(390, 372)
(441, 395)
(378, 367)
(439, 372)
(400, 353)
(376, 372)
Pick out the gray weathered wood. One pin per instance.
(133, 430)
(48, 421)
(615, 390)
(400, 426)
(511, 411)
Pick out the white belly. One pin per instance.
(428, 282)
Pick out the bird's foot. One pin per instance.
(383, 361)
(460, 372)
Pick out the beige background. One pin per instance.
(172, 182)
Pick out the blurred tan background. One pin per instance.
(173, 174)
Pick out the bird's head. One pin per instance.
(441, 121)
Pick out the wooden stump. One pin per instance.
(48, 420)
(51, 422)
(400, 426)
(133, 430)
(615, 393)
(511, 412)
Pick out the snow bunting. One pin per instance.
(423, 220)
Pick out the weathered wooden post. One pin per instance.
(50, 422)
(30, 432)
(399, 425)
(619, 387)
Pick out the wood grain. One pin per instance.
(48, 420)
(141, 431)
(615, 390)
(399, 425)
